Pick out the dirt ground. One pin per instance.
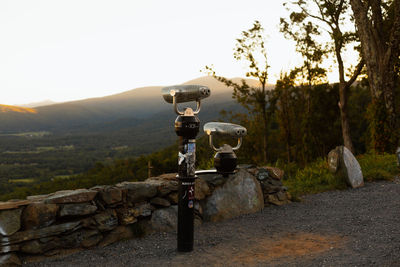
(354, 227)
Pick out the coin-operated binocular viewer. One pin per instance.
(225, 159)
(186, 127)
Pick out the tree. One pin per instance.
(250, 48)
(286, 112)
(378, 27)
(333, 14)
(310, 73)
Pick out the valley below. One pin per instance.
(62, 140)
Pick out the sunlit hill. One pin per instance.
(7, 108)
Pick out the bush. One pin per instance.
(314, 178)
(378, 166)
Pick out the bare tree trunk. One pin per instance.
(343, 97)
(344, 119)
(380, 49)
(265, 133)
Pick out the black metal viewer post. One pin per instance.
(186, 127)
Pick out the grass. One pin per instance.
(62, 177)
(377, 167)
(316, 177)
(27, 134)
(24, 181)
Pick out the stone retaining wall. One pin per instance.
(99, 216)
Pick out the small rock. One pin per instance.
(53, 230)
(39, 215)
(334, 159)
(198, 208)
(111, 195)
(158, 201)
(126, 215)
(275, 199)
(398, 156)
(9, 248)
(166, 177)
(262, 174)
(13, 204)
(138, 191)
(71, 196)
(173, 197)
(106, 220)
(275, 173)
(197, 220)
(32, 247)
(202, 190)
(164, 186)
(37, 197)
(143, 210)
(9, 260)
(252, 171)
(268, 188)
(119, 233)
(75, 239)
(281, 196)
(80, 209)
(10, 221)
(91, 241)
(165, 220)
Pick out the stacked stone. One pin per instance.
(99, 216)
(274, 191)
(82, 218)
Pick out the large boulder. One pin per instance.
(165, 220)
(240, 194)
(342, 162)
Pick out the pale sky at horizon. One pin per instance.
(67, 50)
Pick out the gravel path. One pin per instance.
(358, 227)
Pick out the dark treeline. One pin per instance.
(286, 142)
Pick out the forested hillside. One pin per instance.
(57, 141)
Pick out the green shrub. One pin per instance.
(314, 178)
(378, 166)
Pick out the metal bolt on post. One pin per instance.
(186, 127)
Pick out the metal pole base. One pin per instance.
(186, 214)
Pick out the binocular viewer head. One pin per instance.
(225, 160)
(185, 93)
(223, 128)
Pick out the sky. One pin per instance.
(67, 50)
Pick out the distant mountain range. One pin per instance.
(141, 114)
(38, 104)
(136, 106)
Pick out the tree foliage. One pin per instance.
(334, 15)
(250, 49)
